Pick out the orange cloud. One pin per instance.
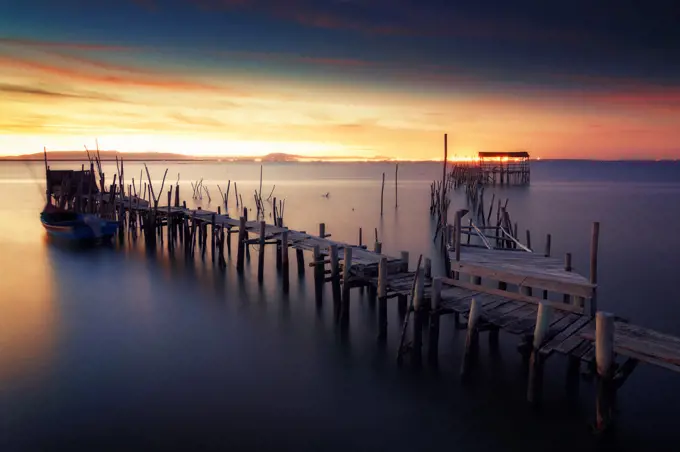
(112, 76)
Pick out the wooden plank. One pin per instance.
(644, 344)
(515, 277)
(517, 315)
(562, 343)
(514, 296)
(494, 315)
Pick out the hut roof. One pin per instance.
(504, 154)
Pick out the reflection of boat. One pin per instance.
(64, 224)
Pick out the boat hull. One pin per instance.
(80, 229)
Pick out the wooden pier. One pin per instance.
(507, 287)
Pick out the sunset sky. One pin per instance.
(577, 79)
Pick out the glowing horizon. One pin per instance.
(314, 96)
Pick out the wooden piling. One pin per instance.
(543, 319)
(567, 267)
(529, 239)
(404, 261)
(548, 240)
(604, 358)
(382, 299)
(382, 194)
(213, 236)
(322, 230)
(318, 274)
(378, 247)
(335, 275)
(472, 340)
(240, 256)
(260, 255)
(446, 158)
(433, 332)
(428, 268)
(284, 259)
(396, 184)
(360, 238)
(346, 284)
(300, 258)
(594, 243)
(457, 231)
(418, 317)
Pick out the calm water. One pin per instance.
(114, 349)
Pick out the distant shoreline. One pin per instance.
(245, 160)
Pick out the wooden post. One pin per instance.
(177, 195)
(594, 242)
(346, 276)
(604, 358)
(472, 340)
(446, 158)
(360, 238)
(260, 256)
(284, 258)
(300, 257)
(404, 261)
(279, 255)
(241, 245)
(212, 238)
(378, 247)
(396, 183)
(318, 274)
(245, 237)
(382, 194)
(433, 334)
(457, 231)
(335, 276)
(529, 239)
(322, 230)
(543, 319)
(567, 267)
(169, 221)
(428, 267)
(547, 254)
(418, 313)
(382, 300)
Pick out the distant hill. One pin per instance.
(105, 155)
(162, 156)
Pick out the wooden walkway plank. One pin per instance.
(563, 342)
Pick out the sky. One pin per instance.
(339, 78)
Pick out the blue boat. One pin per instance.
(73, 226)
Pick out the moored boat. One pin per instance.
(68, 225)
